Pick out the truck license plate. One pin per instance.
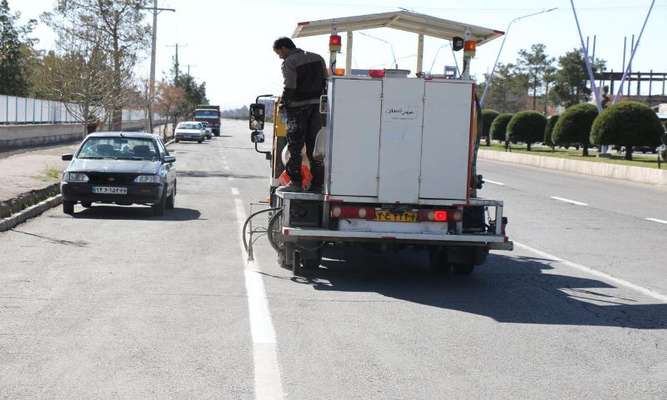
(109, 190)
(385, 216)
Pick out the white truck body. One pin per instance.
(408, 142)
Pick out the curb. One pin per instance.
(604, 170)
(30, 212)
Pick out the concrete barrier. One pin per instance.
(606, 170)
(19, 136)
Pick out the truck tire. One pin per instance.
(463, 269)
(438, 261)
(311, 260)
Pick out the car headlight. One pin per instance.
(147, 179)
(75, 177)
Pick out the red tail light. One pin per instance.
(376, 73)
(353, 212)
(433, 216)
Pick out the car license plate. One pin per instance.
(385, 216)
(109, 190)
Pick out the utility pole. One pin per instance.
(151, 83)
(176, 63)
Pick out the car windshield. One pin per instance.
(189, 126)
(210, 114)
(119, 148)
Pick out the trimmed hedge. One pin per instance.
(488, 116)
(574, 126)
(499, 126)
(551, 122)
(627, 124)
(527, 127)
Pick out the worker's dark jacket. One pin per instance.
(305, 78)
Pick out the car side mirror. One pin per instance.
(169, 159)
(257, 137)
(257, 116)
(67, 157)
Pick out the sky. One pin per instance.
(227, 43)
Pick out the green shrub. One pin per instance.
(627, 124)
(574, 126)
(499, 126)
(551, 122)
(488, 116)
(527, 127)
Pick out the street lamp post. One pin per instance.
(507, 31)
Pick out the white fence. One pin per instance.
(21, 110)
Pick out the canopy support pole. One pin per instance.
(348, 54)
(420, 54)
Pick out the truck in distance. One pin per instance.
(211, 115)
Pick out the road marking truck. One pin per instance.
(400, 155)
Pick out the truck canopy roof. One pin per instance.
(402, 20)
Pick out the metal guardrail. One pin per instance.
(21, 110)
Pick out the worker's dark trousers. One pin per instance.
(303, 123)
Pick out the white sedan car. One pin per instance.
(190, 130)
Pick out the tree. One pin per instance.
(15, 49)
(535, 64)
(627, 124)
(195, 94)
(488, 116)
(499, 127)
(116, 27)
(508, 89)
(571, 80)
(574, 126)
(527, 127)
(170, 99)
(548, 131)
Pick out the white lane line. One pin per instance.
(609, 278)
(230, 178)
(493, 182)
(268, 384)
(660, 221)
(235, 192)
(576, 203)
(227, 168)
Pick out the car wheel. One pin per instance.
(176, 140)
(86, 204)
(200, 141)
(68, 207)
(171, 200)
(160, 207)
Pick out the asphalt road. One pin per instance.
(117, 304)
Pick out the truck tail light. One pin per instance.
(353, 212)
(433, 216)
(376, 73)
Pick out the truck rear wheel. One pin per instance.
(439, 261)
(463, 269)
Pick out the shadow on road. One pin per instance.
(508, 289)
(137, 213)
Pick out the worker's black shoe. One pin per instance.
(291, 187)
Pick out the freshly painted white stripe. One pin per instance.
(493, 182)
(576, 203)
(235, 192)
(609, 278)
(660, 221)
(268, 384)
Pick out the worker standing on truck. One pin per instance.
(305, 80)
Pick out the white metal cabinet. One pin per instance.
(400, 140)
(445, 144)
(354, 137)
